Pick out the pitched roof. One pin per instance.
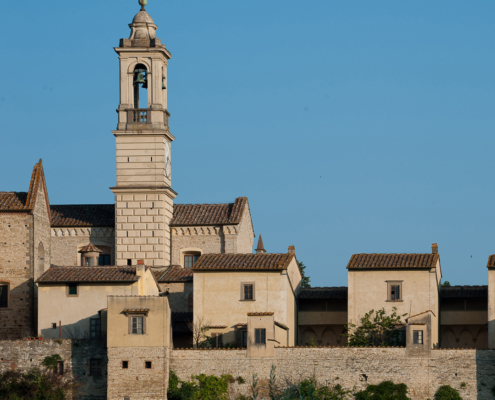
(89, 274)
(209, 214)
(449, 292)
(22, 201)
(371, 261)
(491, 261)
(83, 215)
(243, 262)
(175, 273)
(260, 244)
(90, 248)
(323, 293)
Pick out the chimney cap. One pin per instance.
(292, 250)
(140, 262)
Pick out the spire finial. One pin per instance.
(143, 3)
(260, 249)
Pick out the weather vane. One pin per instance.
(143, 3)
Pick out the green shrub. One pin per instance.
(384, 391)
(447, 392)
(202, 387)
(51, 362)
(34, 384)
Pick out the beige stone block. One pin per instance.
(118, 212)
(152, 240)
(140, 212)
(158, 218)
(140, 227)
(146, 234)
(133, 248)
(136, 147)
(152, 197)
(127, 212)
(161, 240)
(118, 227)
(121, 219)
(127, 227)
(128, 197)
(152, 256)
(140, 256)
(158, 248)
(140, 197)
(141, 241)
(152, 226)
(134, 219)
(127, 241)
(133, 204)
(146, 248)
(118, 241)
(121, 205)
(122, 159)
(134, 234)
(140, 173)
(121, 234)
(147, 204)
(146, 219)
(118, 197)
(138, 152)
(119, 256)
(127, 255)
(154, 211)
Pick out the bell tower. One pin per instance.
(143, 193)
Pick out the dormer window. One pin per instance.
(88, 261)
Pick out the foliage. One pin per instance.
(309, 389)
(446, 284)
(202, 387)
(51, 362)
(254, 387)
(375, 329)
(447, 392)
(272, 383)
(240, 380)
(200, 328)
(312, 342)
(34, 385)
(384, 391)
(305, 279)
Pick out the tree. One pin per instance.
(446, 284)
(305, 279)
(375, 329)
(199, 328)
(447, 392)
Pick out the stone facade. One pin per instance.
(76, 355)
(137, 381)
(349, 367)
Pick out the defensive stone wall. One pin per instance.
(24, 355)
(472, 372)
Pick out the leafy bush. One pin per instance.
(384, 391)
(202, 387)
(34, 385)
(447, 392)
(51, 362)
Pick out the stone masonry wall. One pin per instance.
(245, 240)
(16, 231)
(137, 381)
(66, 243)
(25, 355)
(207, 238)
(350, 367)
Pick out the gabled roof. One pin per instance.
(22, 201)
(89, 275)
(209, 214)
(174, 273)
(450, 292)
(375, 261)
(323, 293)
(491, 261)
(228, 262)
(94, 215)
(90, 248)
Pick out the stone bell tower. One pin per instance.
(143, 194)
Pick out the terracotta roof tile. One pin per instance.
(89, 274)
(323, 293)
(491, 261)
(260, 244)
(217, 326)
(83, 215)
(13, 201)
(371, 261)
(447, 292)
(259, 314)
(90, 248)
(136, 310)
(243, 262)
(175, 273)
(209, 214)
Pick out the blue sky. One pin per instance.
(352, 126)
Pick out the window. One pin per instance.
(190, 260)
(125, 364)
(260, 336)
(394, 291)
(418, 337)
(137, 325)
(104, 259)
(88, 261)
(129, 262)
(4, 296)
(247, 291)
(95, 367)
(147, 364)
(72, 289)
(218, 339)
(95, 328)
(244, 339)
(60, 367)
(54, 325)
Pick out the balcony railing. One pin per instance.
(137, 116)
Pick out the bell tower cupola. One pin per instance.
(143, 192)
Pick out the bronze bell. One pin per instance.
(145, 84)
(163, 85)
(140, 78)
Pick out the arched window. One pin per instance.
(41, 258)
(140, 86)
(190, 256)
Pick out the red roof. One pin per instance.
(209, 214)
(175, 273)
(372, 261)
(243, 262)
(89, 274)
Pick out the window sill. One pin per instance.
(247, 300)
(394, 301)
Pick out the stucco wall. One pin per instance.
(368, 290)
(25, 355)
(75, 312)
(349, 367)
(16, 230)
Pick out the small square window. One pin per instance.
(129, 262)
(394, 291)
(147, 364)
(418, 337)
(260, 336)
(4, 296)
(72, 289)
(247, 291)
(125, 364)
(54, 325)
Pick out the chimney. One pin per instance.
(434, 248)
(292, 250)
(260, 249)
(140, 268)
(140, 262)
